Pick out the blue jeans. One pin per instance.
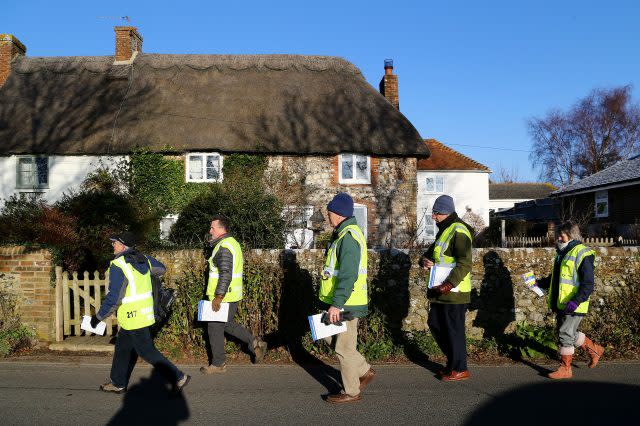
(133, 343)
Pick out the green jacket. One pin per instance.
(348, 253)
(460, 249)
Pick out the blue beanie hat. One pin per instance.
(444, 205)
(341, 204)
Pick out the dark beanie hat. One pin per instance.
(444, 205)
(341, 204)
(127, 238)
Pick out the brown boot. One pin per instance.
(594, 351)
(564, 370)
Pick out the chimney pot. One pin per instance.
(128, 41)
(10, 47)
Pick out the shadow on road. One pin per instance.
(579, 403)
(152, 401)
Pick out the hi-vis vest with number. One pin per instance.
(136, 310)
(234, 292)
(332, 269)
(442, 244)
(569, 280)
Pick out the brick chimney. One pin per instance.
(128, 41)
(10, 47)
(389, 84)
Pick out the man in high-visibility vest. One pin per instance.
(448, 301)
(569, 286)
(130, 296)
(344, 287)
(224, 285)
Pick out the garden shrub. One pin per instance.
(13, 334)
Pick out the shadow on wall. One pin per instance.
(389, 293)
(579, 403)
(152, 400)
(494, 302)
(298, 296)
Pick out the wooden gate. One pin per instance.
(78, 296)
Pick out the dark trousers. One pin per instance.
(133, 343)
(216, 332)
(446, 323)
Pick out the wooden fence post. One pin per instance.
(59, 307)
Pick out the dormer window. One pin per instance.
(354, 169)
(204, 167)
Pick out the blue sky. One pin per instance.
(470, 72)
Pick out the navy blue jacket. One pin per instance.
(118, 281)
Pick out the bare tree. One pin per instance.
(598, 131)
(505, 175)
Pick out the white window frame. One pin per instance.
(601, 197)
(204, 167)
(435, 184)
(301, 237)
(354, 180)
(164, 234)
(364, 229)
(37, 187)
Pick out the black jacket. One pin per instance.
(224, 262)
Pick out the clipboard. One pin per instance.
(206, 312)
(439, 274)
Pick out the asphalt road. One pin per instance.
(53, 393)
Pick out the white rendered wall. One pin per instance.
(468, 189)
(498, 205)
(66, 173)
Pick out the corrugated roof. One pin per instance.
(519, 191)
(621, 172)
(444, 158)
(228, 103)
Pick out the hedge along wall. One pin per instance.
(26, 274)
(284, 286)
(499, 298)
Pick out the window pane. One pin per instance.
(360, 213)
(42, 165)
(26, 172)
(213, 167)
(195, 167)
(347, 166)
(430, 185)
(362, 168)
(439, 184)
(429, 226)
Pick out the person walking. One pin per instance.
(130, 297)
(569, 286)
(344, 287)
(225, 286)
(448, 301)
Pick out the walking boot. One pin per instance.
(214, 369)
(594, 351)
(564, 370)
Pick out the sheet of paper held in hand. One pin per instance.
(206, 313)
(439, 274)
(86, 326)
(320, 330)
(530, 281)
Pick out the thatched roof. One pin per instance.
(228, 103)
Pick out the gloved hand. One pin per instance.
(571, 307)
(215, 303)
(444, 288)
(94, 321)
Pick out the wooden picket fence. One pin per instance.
(544, 241)
(75, 297)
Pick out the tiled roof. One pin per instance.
(444, 158)
(623, 171)
(519, 191)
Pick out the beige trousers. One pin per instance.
(352, 363)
